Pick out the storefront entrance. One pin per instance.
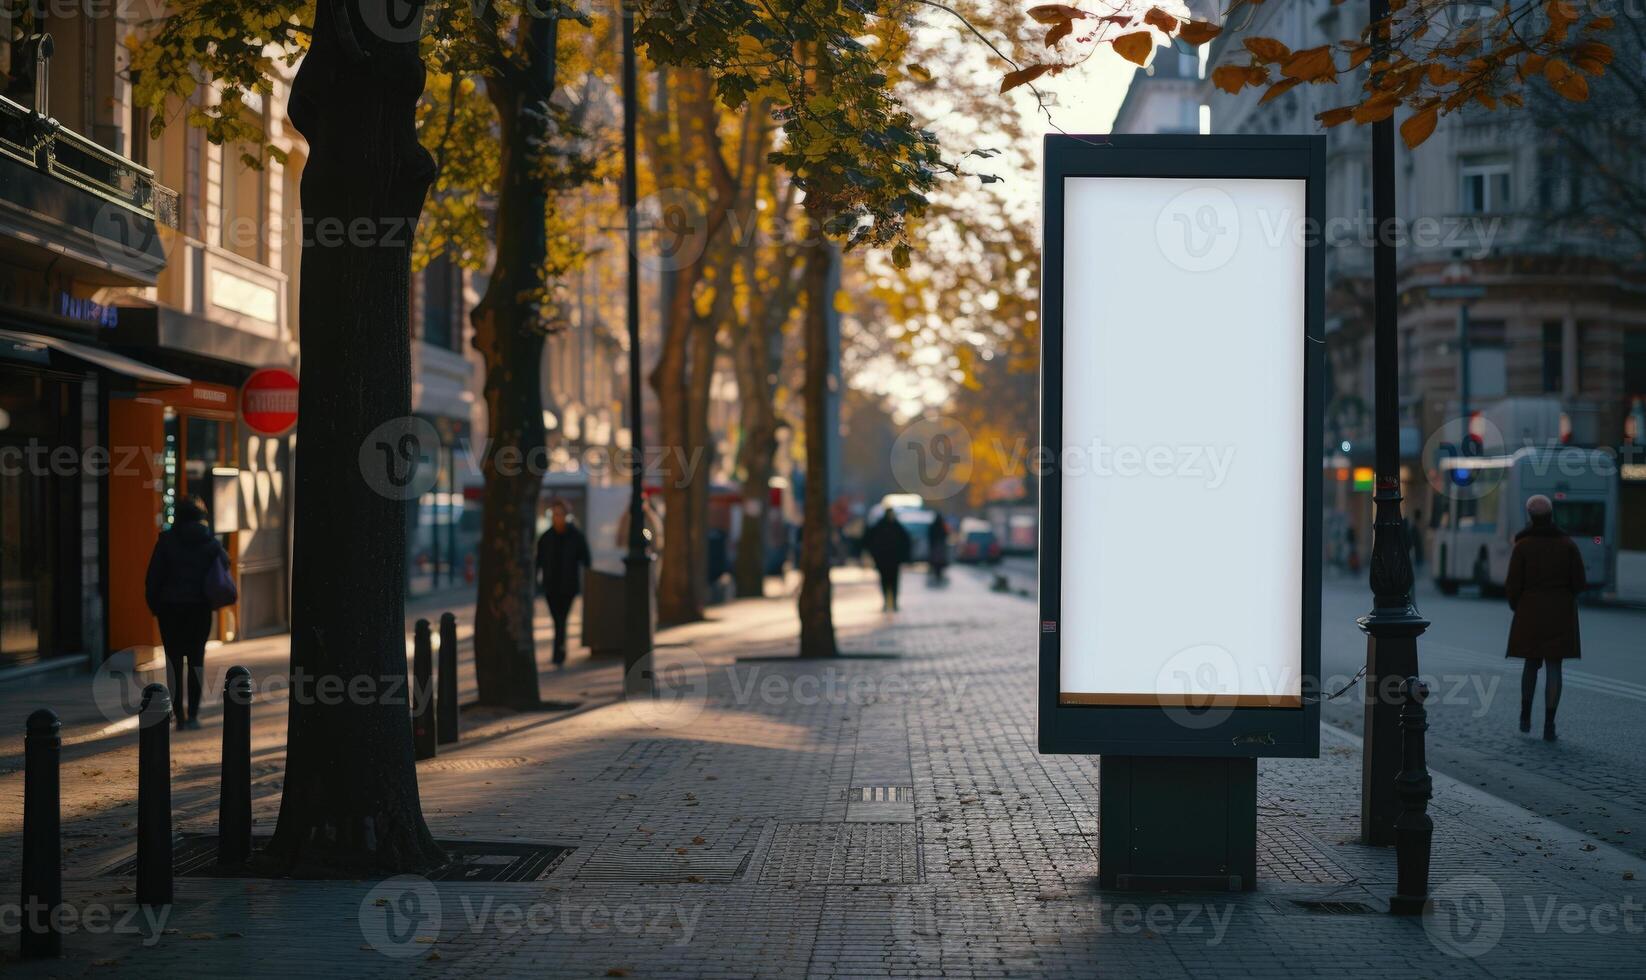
(190, 433)
(36, 417)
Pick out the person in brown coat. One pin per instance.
(1545, 577)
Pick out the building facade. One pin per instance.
(142, 281)
(443, 530)
(1165, 96)
(1522, 327)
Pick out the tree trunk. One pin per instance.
(680, 580)
(701, 460)
(816, 613)
(754, 460)
(677, 599)
(510, 341)
(350, 803)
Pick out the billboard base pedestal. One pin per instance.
(1177, 823)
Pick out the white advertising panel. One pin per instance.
(1183, 438)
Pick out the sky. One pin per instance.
(1087, 97)
(1088, 94)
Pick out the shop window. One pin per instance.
(432, 561)
(38, 520)
(168, 467)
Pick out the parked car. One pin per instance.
(979, 546)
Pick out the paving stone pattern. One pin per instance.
(721, 832)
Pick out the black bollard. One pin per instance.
(234, 802)
(1414, 830)
(154, 798)
(42, 836)
(445, 706)
(423, 735)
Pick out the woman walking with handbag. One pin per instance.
(188, 578)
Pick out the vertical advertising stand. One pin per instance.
(1182, 375)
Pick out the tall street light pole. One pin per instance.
(1393, 625)
(1456, 285)
(637, 599)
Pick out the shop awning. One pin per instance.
(95, 356)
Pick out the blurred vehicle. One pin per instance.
(1485, 509)
(978, 543)
(1017, 526)
(443, 537)
(978, 548)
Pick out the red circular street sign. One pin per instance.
(268, 401)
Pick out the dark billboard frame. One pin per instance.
(1144, 730)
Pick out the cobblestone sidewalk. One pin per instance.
(884, 814)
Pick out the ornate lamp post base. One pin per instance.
(1392, 629)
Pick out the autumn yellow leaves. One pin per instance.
(1429, 58)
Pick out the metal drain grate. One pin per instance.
(1334, 908)
(192, 856)
(499, 861)
(195, 856)
(662, 867)
(477, 765)
(880, 794)
(843, 854)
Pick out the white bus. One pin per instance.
(1485, 508)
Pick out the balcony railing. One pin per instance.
(45, 145)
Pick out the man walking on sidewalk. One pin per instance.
(889, 545)
(562, 554)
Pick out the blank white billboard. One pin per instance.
(1183, 441)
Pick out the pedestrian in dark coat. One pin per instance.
(889, 545)
(1545, 577)
(937, 546)
(562, 554)
(175, 589)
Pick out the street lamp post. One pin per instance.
(1393, 625)
(1457, 286)
(637, 600)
